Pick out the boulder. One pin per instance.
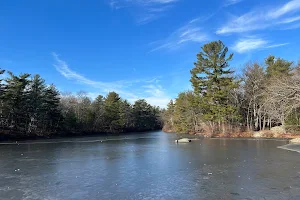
(295, 141)
(277, 131)
(183, 140)
(258, 134)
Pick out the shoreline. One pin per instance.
(266, 135)
(17, 137)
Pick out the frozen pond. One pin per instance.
(148, 166)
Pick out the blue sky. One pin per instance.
(139, 48)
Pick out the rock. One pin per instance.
(258, 134)
(295, 141)
(183, 140)
(277, 131)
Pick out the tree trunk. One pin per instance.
(248, 122)
(255, 118)
(260, 128)
(264, 123)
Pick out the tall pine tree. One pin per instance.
(212, 81)
(51, 110)
(14, 99)
(35, 100)
(112, 112)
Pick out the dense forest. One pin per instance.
(265, 97)
(29, 108)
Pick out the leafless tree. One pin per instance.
(253, 89)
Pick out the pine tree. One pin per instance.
(212, 81)
(15, 99)
(186, 113)
(51, 110)
(126, 118)
(112, 115)
(1, 84)
(35, 100)
(2, 90)
(141, 111)
(277, 67)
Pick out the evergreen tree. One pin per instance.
(111, 112)
(187, 113)
(168, 117)
(51, 111)
(140, 113)
(1, 84)
(212, 81)
(126, 118)
(35, 100)
(145, 116)
(2, 90)
(278, 67)
(14, 99)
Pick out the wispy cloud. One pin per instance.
(155, 95)
(148, 89)
(190, 32)
(276, 45)
(145, 10)
(232, 2)
(289, 7)
(290, 20)
(63, 68)
(259, 19)
(249, 44)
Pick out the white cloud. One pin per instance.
(290, 20)
(191, 32)
(232, 2)
(161, 1)
(245, 45)
(155, 95)
(249, 44)
(145, 10)
(259, 19)
(277, 45)
(289, 7)
(132, 90)
(63, 68)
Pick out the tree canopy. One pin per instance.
(30, 107)
(264, 96)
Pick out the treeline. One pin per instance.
(266, 95)
(30, 107)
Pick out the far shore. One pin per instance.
(20, 137)
(294, 138)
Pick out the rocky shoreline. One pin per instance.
(267, 134)
(295, 141)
